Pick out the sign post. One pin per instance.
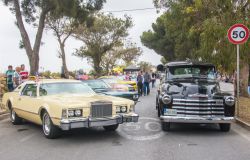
(238, 34)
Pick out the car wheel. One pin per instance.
(49, 129)
(111, 127)
(224, 127)
(157, 104)
(15, 119)
(165, 126)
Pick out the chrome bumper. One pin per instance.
(178, 119)
(67, 124)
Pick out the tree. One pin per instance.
(35, 12)
(145, 66)
(130, 53)
(197, 29)
(106, 33)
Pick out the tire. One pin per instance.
(15, 119)
(111, 128)
(49, 129)
(165, 126)
(158, 112)
(157, 104)
(225, 127)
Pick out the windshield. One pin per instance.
(178, 72)
(110, 80)
(64, 88)
(97, 84)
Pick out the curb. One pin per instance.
(243, 124)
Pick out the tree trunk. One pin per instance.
(244, 76)
(32, 53)
(64, 64)
(97, 68)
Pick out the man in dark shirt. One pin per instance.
(147, 80)
(140, 83)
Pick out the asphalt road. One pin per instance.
(142, 141)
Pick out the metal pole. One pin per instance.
(238, 78)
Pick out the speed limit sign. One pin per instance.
(238, 34)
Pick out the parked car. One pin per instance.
(116, 80)
(66, 104)
(191, 94)
(99, 86)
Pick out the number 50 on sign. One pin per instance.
(238, 34)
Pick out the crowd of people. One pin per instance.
(143, 81)
(15, 77)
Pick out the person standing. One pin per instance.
(24, 73)
(147, 80)
(140, 83)
(153, 79)
(17, 77)
(10, 74)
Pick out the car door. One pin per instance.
(27, 103)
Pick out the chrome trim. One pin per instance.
(68, 124)
(197, 108)
(198, 100)
(198, 104)
(196, 119)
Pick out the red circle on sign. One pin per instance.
(232, 28)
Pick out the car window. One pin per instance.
(30, 90)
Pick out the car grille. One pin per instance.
(101, 109)
(198, 107)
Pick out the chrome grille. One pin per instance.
(198, 107)
(101, 109)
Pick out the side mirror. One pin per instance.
(161, 68)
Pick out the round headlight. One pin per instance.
(118, 109)
(229, 101)
(71, 113)
(166, 99)
(78, 112)
(124, 109)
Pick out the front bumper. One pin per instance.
(68, 124)
(178, 119)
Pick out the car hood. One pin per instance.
(194, 90)
(77, 100)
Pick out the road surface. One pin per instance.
(143, 141)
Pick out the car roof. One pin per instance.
(52, 81)
(188, 63)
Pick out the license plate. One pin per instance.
(171, 112)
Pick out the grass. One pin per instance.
(244, 109)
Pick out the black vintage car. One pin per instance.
(190, 93)
(99, 86)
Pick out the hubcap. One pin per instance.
(46, 124)
(13, 115)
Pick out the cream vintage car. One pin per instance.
(66, 104)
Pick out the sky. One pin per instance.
(10, 38)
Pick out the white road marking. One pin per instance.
(241, 131)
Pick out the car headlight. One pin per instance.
(75, 113)
(135, 97)
(118, 109)
(124, 109)
(64, 113)
(78, 112)
(121, 109)
(229, 100)
(132, 108)
(166, 99)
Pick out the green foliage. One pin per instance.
(106, 33)
(145, 66)
(197, 29)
